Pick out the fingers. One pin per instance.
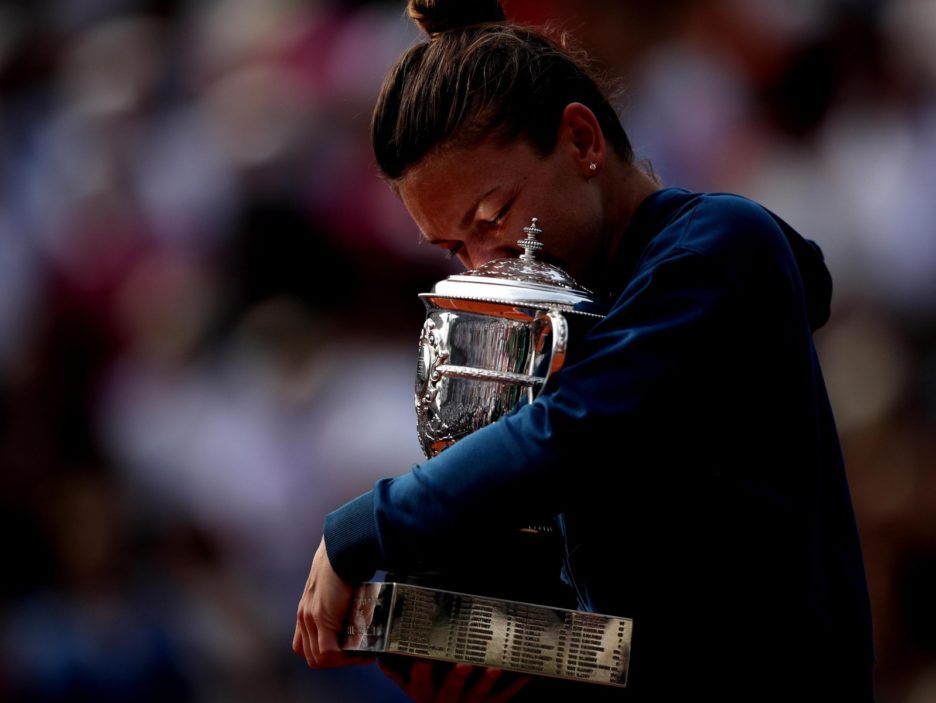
(306, 631)
(297, 640)
(321, 615)
(481, 691)
(309, 639)
(421, 686)
(482, 688)
(319, 646)
(453, 685)
(411, 675)
(511, 690)
(328, 653)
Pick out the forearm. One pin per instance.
(495, 479)
(528, 465)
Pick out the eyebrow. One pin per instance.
(472, 211)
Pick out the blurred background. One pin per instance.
(208, 311)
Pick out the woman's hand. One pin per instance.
(422, 687)
(321, 615)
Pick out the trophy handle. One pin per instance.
(555, 322)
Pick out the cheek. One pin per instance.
(571, 210)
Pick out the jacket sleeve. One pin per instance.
(516, 470)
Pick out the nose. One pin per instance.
(472, 255)
(465, 259)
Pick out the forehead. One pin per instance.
(453, 175)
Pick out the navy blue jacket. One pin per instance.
(689, 448)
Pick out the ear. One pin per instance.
(581, 135)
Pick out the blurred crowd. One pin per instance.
(208, 317)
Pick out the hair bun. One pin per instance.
(435, 16)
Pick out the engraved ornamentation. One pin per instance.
(428, 376)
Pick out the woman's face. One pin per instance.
(475, 202)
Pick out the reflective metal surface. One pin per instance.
(532, 639)
(491, 339)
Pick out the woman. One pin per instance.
(688, 448)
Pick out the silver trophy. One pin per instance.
(492, 338)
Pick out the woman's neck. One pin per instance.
(625, 187)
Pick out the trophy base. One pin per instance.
(430, 623)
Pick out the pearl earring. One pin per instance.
(593, 166)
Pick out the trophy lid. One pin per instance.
(522, 281)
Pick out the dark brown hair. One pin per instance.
(479, 76)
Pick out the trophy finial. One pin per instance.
(531, 244)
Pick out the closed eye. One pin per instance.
(498, 219)
(451, 246)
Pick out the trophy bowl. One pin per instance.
(492, 338)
